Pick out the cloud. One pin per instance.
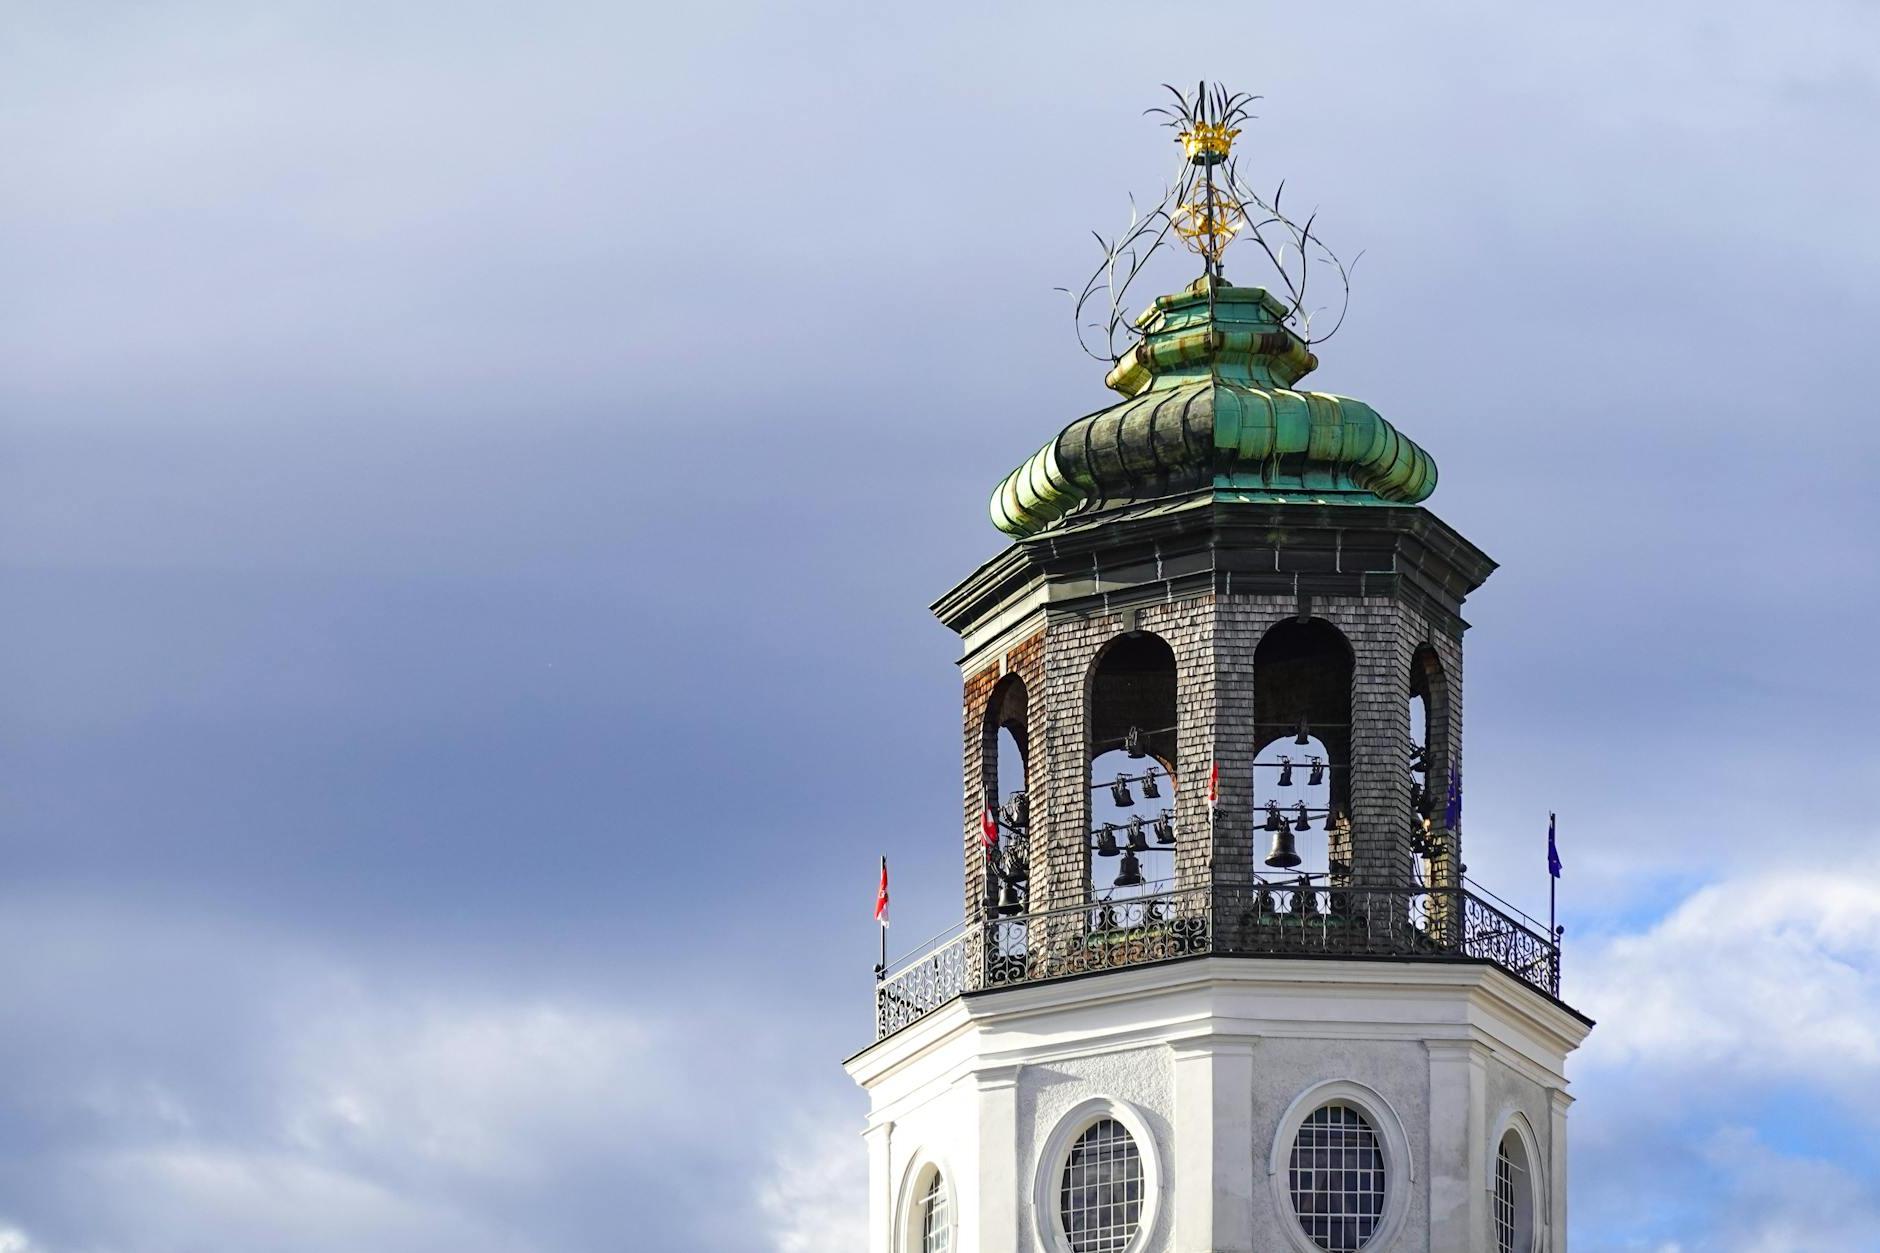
(815, 1199)
(1771, 976)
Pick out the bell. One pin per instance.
(1132, 742)
(1285, 853)
(1318, 772)
(1016, 812)
(1418, 754)
(1119, 792)
(1010, 902)
(1150, 791)
(1300, 821)
(1273, 821)
(1106, 840)
(1131, 873)
(1138, 838)
(1164, 828)
(1305, 733)
(1017, 869)
(1285, 772)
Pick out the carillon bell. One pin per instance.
(1017, 811)
(1150, 790)
(1010, 902)
(1132, 742)
(1138, 837)
(1305, 733)
(1130, 873)
(1164, 828)
(1284, 854)
(1273, 821)
(1106, 840)
(1285, 772)
(1300, 821)
(1318, 772)
(1119, 792)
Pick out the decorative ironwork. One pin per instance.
(1291, 918)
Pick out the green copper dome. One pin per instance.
(1209, 405)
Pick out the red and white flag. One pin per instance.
(1214, 786)
(988, 827)
(881, 895)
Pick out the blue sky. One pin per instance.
(474, 476)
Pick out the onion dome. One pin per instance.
(1210, 406)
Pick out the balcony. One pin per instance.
(1290, 919)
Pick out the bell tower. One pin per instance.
(1221, 984)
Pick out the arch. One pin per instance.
(1517, 1187)
(1004, 756)
(1429, 700)
(1131, 730)
(1399, 1166)
(1302, 676)
(910, 1209)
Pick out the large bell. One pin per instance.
(1131, 872)
(1138, 837)
(1285, 852)
(1010, 902)
(1106, 840)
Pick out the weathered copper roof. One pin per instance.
(1210, 405)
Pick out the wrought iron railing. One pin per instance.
(1296, 918)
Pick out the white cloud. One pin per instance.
(1775, 976)
(816, 1196)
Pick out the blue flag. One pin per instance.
(1452, 813)
(1553, 854)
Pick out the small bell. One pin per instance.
(1010, 902)
(1150, 791)
(1106, 840)
(1300, 821)
(1318, 772)
(1132, 742)
(1016, 812)
(1164, 828)
(1285, 772)
(1138, 837)
(1284, 854)
(1119, 792)
(1131, 872)
(1273, 821)
(1305, 733)
(1419, 753)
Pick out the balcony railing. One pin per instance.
(1291, 919)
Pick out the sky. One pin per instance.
(472, 478)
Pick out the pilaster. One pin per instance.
(1213, 1202)
(1458, 1154)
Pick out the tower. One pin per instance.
(1221, 984)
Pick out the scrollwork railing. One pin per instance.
(1276, 919)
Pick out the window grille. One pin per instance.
(936, 1226)
(1101, 1198)
(1514, 1202)
(1337, 1178)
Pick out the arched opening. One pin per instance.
(1132, 728)
(1006, 822)
(1430, 776)
(1302, 751)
